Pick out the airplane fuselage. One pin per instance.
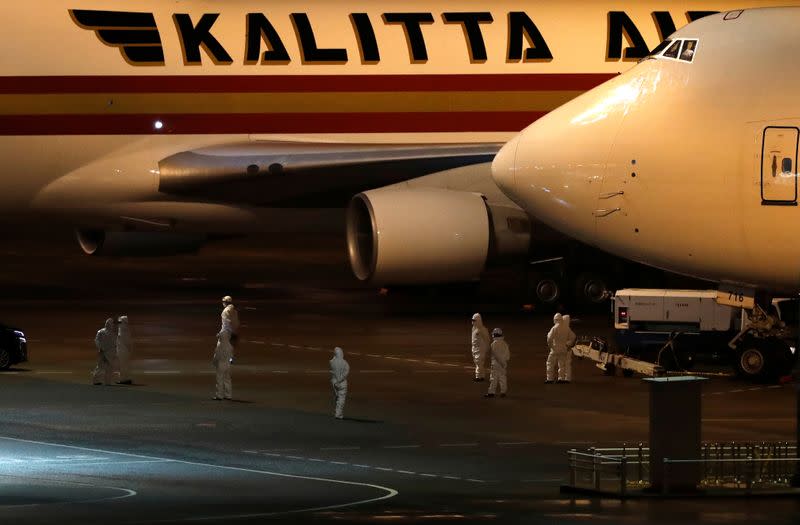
(687, 163)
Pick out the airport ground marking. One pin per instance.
(372, 467)
(390, 492)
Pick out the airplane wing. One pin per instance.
(306, 175)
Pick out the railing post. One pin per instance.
(748, 475)
(665, 485)
(641, 462)
(572, 466)
(596, 469)
(623, 477)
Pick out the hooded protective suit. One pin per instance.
(124, 347)
(222, 363)
(480, 346)
(230, 320)
(500, 357)
(106, 343)
(340, 369)
(560, 340)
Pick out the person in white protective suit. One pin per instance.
(560, 340)
(124, 348)
(230, 319)
(340, 369)
(480, 346)
(106, 343)
(223, 356)
(500, 357)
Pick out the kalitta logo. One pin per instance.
(138, 39)
(136, 34)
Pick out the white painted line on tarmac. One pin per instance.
(113, 463)
(411, 360)
(453, 477)
(407, 472)
(338, 462)
(384, 469)
(295, 457)
(432, 362)
(316, 460)
(451, 364)
(295, 347)
(472, 480)
(738, 390)
(374, 355)
(361, 466)
(314, 348)
(428, 475)
(775, 386)
(353, 353)
(277, 344)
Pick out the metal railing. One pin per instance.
(748, 466)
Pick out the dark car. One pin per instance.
(13, 347)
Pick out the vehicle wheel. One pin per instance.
(756, 358)
(5, 359)
(590, 288)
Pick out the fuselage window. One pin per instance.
(687, 52)
(673, 50)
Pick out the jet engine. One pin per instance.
(138, 244)
(426, 236)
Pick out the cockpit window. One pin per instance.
(687, 51)
(673, 50)
(660, 47)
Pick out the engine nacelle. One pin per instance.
(427, 236)
(138, 244)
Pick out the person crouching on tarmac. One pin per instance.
(340, 369)
(560, 340)
(500, 357)
(106, 343)
(223, 356)
(480, 346)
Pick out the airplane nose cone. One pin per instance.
(504, 167)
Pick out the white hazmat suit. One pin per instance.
(223, 355)
(124, 347)
(500, 357)
(480, 346)
(560, 340)
(230, 319)
(340, 369)
(106, 343)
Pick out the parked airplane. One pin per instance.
(149, 125)
(687, 162)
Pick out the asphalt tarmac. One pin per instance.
(419, 443)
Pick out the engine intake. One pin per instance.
(427, 236)
(138, 244)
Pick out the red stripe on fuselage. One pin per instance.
(209, 124)
(299, 83)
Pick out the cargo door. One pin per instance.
(779, 166)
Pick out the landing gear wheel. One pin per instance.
(547, 291)
(590, 289)
(5, 359)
